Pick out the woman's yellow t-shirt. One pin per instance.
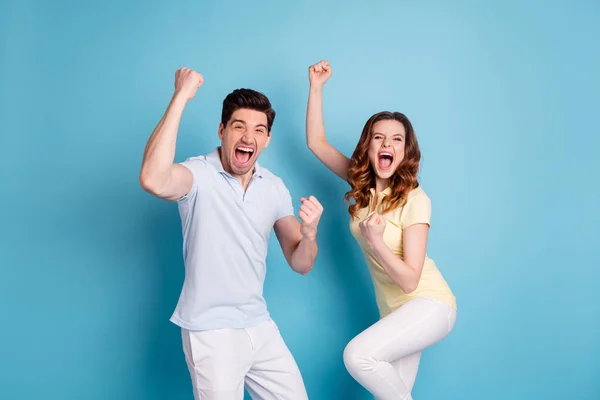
(389, 295)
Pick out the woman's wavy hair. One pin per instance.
(361, 175)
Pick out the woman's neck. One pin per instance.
(381, 184)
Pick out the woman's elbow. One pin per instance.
(316, 144)
(409, 285)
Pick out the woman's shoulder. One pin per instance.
(417, 192)
(416, 196)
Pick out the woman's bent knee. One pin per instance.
(356, 359)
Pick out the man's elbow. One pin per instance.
(301, 268)
(305, 270)
(150, 184)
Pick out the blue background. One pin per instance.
(504, 100)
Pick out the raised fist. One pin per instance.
(187, 81)
(310, 214)
(372, 228)
(319, 73)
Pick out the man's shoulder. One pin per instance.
(195, 159)
(201, 161)
(270, 176)
(267, 173)
(196, 164)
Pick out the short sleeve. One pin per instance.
(417, 210)
(285, 207)
(196, 166)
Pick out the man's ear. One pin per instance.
(221, 130)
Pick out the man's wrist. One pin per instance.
(309, 237)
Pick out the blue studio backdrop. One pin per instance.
(503, 97)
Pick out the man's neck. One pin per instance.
(244, 179)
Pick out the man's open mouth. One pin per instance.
(243, 154)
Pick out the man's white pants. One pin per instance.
(222, 361)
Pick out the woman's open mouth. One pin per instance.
(385, 160)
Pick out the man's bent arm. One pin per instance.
(159, 174)
(299, 241)
(300, 252)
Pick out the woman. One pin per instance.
(390, 216)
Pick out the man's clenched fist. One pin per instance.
(310, 213)
(187, 81)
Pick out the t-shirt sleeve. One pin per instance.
(197, 167)
(285, 207)
(416, 211)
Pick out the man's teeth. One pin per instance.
(245, 149)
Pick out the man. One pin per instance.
(228, 205)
